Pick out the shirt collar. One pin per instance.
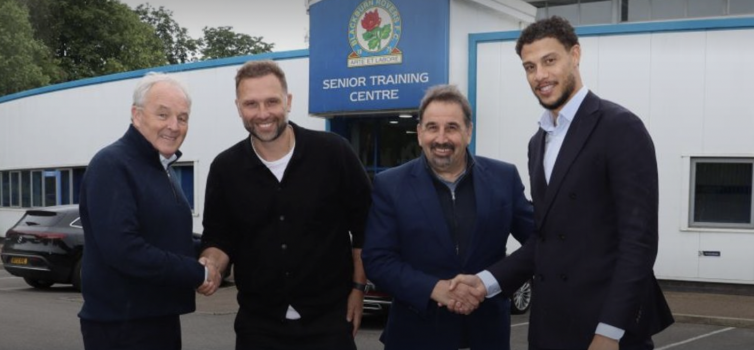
(470, 162)
(566, 114)
(166, 161)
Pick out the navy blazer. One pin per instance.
(408, 249)
(596, 233)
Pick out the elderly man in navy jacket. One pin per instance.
(140, 268)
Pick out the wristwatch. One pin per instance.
(360, 286)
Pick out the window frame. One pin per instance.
(194, 172)
(692, 224)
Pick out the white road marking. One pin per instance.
(695, 338)
(519, 324)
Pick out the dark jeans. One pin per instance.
(160, 333)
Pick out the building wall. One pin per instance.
(685, 81)
(65, 128)
(467, 16)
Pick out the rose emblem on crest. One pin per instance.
(374, 34)
(374, 30)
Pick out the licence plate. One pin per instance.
(19, 261)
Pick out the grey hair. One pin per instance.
(447, 94)
(151, 78)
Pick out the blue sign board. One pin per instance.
(375, 55)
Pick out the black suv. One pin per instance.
(45, 247)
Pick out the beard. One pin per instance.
(268, 137)
(445, 162)
(568, 89)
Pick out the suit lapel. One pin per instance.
(578, 133)
(425, 192)
(537, 171)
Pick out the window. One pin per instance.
(4, 189)
(77, 223)
(15, 189)
(721, 195)
(65, 186)
(50, 188)
(25, 189)
(30, 188)
(36, 188)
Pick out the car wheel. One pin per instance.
(521, 299)
(39, 284)
(76, 277)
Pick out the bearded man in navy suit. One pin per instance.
(442, 214)
(593, 177)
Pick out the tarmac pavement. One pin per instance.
(726, 305)
(713, 309)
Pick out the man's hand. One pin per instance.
(355, 309)
(216, 262)
(468, 288)
(478, 290)
(603, 343)
(214, 277)
(460, 301)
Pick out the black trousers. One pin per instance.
(646, 345)
(160, 333)
(330, 331)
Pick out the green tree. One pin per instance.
(25, 62)
(223, 42)
(178, 45)
(101, 37)
(45, 19)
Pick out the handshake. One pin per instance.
(216, 261)
(460, 295)
(214, 277)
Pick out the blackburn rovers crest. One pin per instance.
(373, 33)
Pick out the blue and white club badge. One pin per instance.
(373, 33)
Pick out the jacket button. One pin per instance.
(561, 236)
(284, 246)
(282, 217)
(572, 196)
(563, 277)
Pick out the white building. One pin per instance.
(684, 69)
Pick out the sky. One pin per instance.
(282, 22)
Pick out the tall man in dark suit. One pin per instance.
(444, 213)
(594, 185)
